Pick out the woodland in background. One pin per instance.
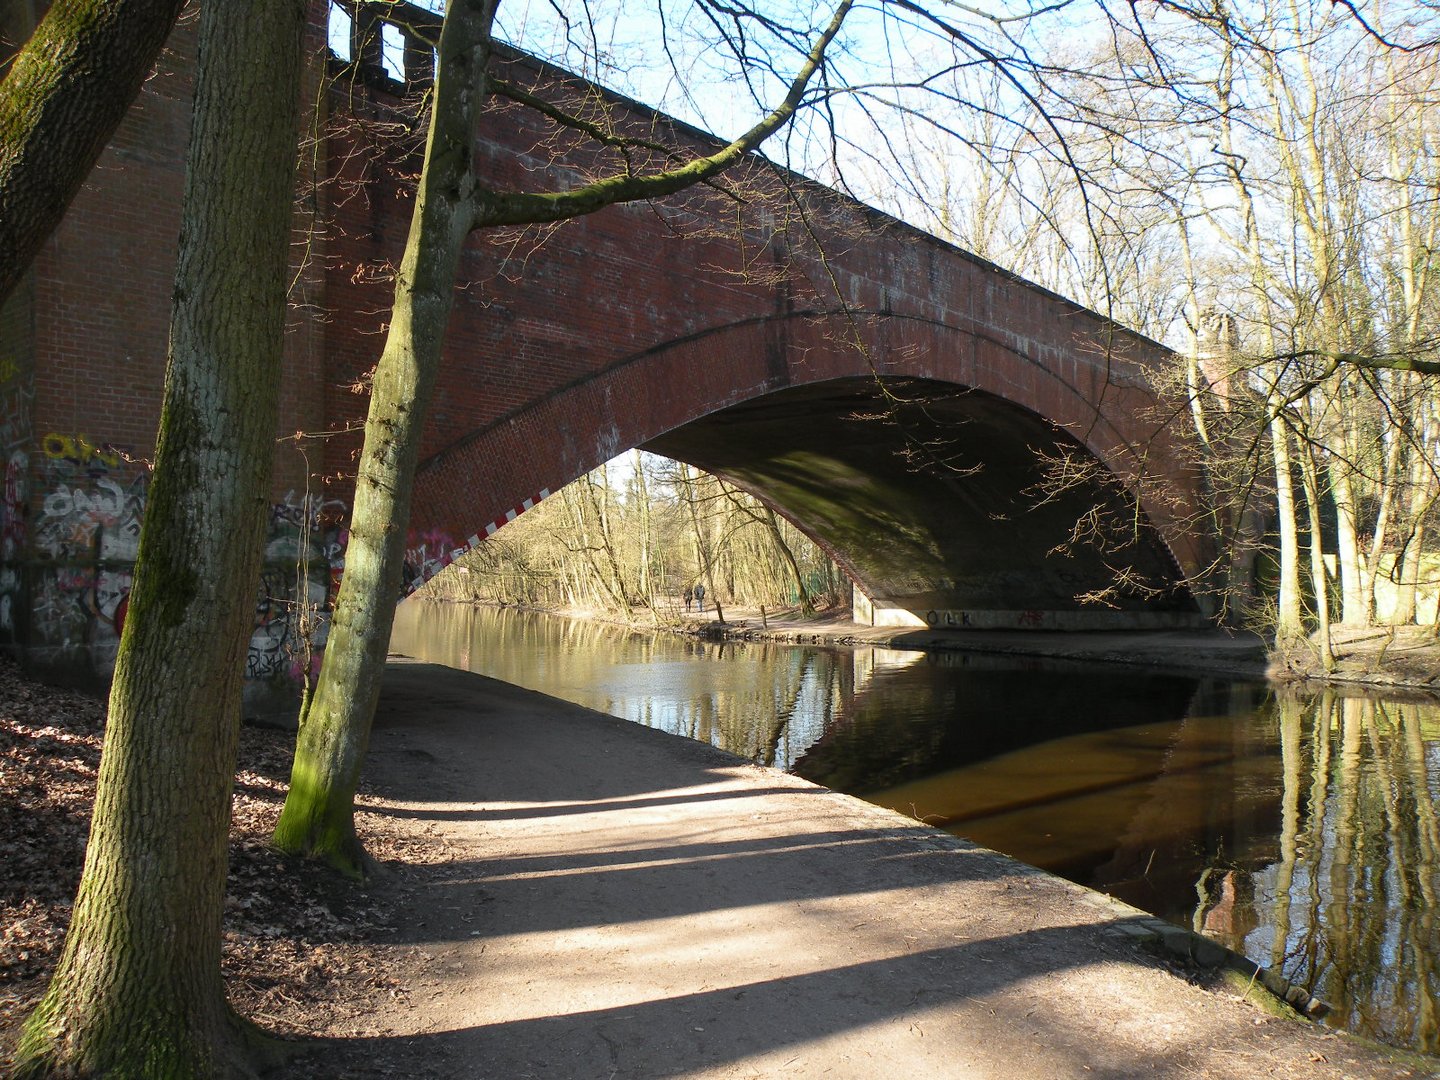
(1258, 187)
(630, 541)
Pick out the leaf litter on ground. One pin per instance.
(302, 948)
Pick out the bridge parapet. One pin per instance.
(392, 51)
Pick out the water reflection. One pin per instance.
(1348, 903)
(1300, 831)
(761, 702)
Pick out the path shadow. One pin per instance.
(927, 991)
(618, 885)
(560, 809)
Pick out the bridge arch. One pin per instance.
(911, 448)
(679, 324)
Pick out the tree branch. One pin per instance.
(62, 99)
(525, 208)
(1377, 362)
(560, 117)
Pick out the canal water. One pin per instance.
(1301, 831)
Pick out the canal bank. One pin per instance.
(1239, 653)
(618, 902)
(1385, 658)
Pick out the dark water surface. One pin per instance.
(1301, 831)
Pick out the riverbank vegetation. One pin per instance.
(1259, 192)
(636, 536)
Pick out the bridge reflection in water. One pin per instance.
(1299, 830)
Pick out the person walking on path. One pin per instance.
(700, 597)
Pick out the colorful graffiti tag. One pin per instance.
(304, 559)
(426, 555)
(78, 452)
(83, 542)
(77, 556)
(16, 395)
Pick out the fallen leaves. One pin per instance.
(301, 947)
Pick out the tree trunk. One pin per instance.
(611, 575)
(138, 991)
(318, 818)
(704, 550)
(1319, 581)
(1289, 624)
(642, 497)
(62, 99)
(1407, 571)
(1409, 564)
(1356, 591)
(807, 605)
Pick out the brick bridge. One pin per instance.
(890, 393)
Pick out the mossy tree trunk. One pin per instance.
(61, 100)
(318, 818)
(138, 990)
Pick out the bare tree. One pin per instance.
(451, 202)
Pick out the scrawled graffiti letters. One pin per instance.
(291, 623)
(101, 519)
(80, 454)
(304, 556)
(427, 554)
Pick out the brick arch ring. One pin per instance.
(712, 397)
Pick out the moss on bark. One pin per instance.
(61, 100)
(138, 990)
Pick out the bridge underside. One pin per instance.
(940, 502)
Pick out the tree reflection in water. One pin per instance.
(1348, 907)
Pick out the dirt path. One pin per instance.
(620, 903)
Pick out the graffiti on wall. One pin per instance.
(79, 553)
(12, 536)
(85, 535)
(304, 559)
(16, 395)
(99, 518)
(426, 554)
(78, 454)
(290, 626)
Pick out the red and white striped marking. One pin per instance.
(510, 515)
